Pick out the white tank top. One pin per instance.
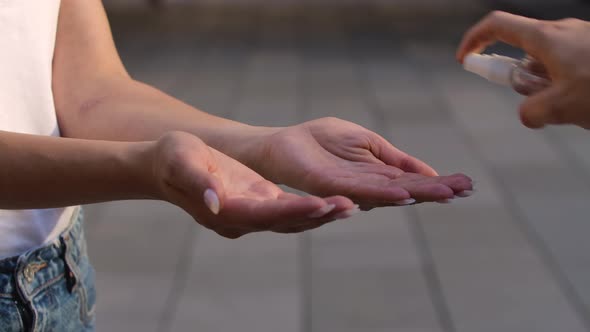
(27, 40)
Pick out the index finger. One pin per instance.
(515, 30)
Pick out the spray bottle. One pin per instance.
(526, 76)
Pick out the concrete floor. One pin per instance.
(513, 258)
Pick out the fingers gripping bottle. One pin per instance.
(525, 76)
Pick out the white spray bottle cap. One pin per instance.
(495, 68)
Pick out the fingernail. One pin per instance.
(465, 193)
(322, 211)
(445, 201)
(348, 213)
(405, 202)
(211, 200)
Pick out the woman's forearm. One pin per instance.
(121, 109)
(96, 99)
(45, 172)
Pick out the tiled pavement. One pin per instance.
(514, 257)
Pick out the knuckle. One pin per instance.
(174, 156)
(569, 21)
(329, 120)
(541, 31)
(169, 147)
(171, 138)
(495, 15)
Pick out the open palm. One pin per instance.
(246, 202)
(335, 157)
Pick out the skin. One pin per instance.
(177, 168)
(561, 47)
(123, 139)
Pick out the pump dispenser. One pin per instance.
(508, 71)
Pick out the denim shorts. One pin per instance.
(49, 288)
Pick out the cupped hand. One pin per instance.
(330, 156)
(231, 199)
(562, 47)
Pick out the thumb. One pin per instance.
(200, 180)
(214, 195)
(210, 186)
(392, 156)
(414, 165)
(543, 108)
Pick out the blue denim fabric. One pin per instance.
(49, 288)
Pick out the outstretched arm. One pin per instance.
(220, 193)
(46, 172)
(97, 99)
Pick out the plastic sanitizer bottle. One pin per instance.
(525, 76)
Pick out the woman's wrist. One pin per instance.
(250, 145)
(139, 161)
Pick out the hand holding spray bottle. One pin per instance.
(525, 76)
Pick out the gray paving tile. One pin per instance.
(370, 298)
(572, 145)
(130, 302)
(546, 180)
(367, 274)
(558, 219)
(213, 82)
(491, 277)
(137, 324)
(138, 293)
(333, 90)
(364, 329)
(267, 310)
(251, 283)
(136, 237)
(399, 92)
(375, 239)
(212, 88)
(270, 91)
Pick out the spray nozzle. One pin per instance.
(495, 68)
